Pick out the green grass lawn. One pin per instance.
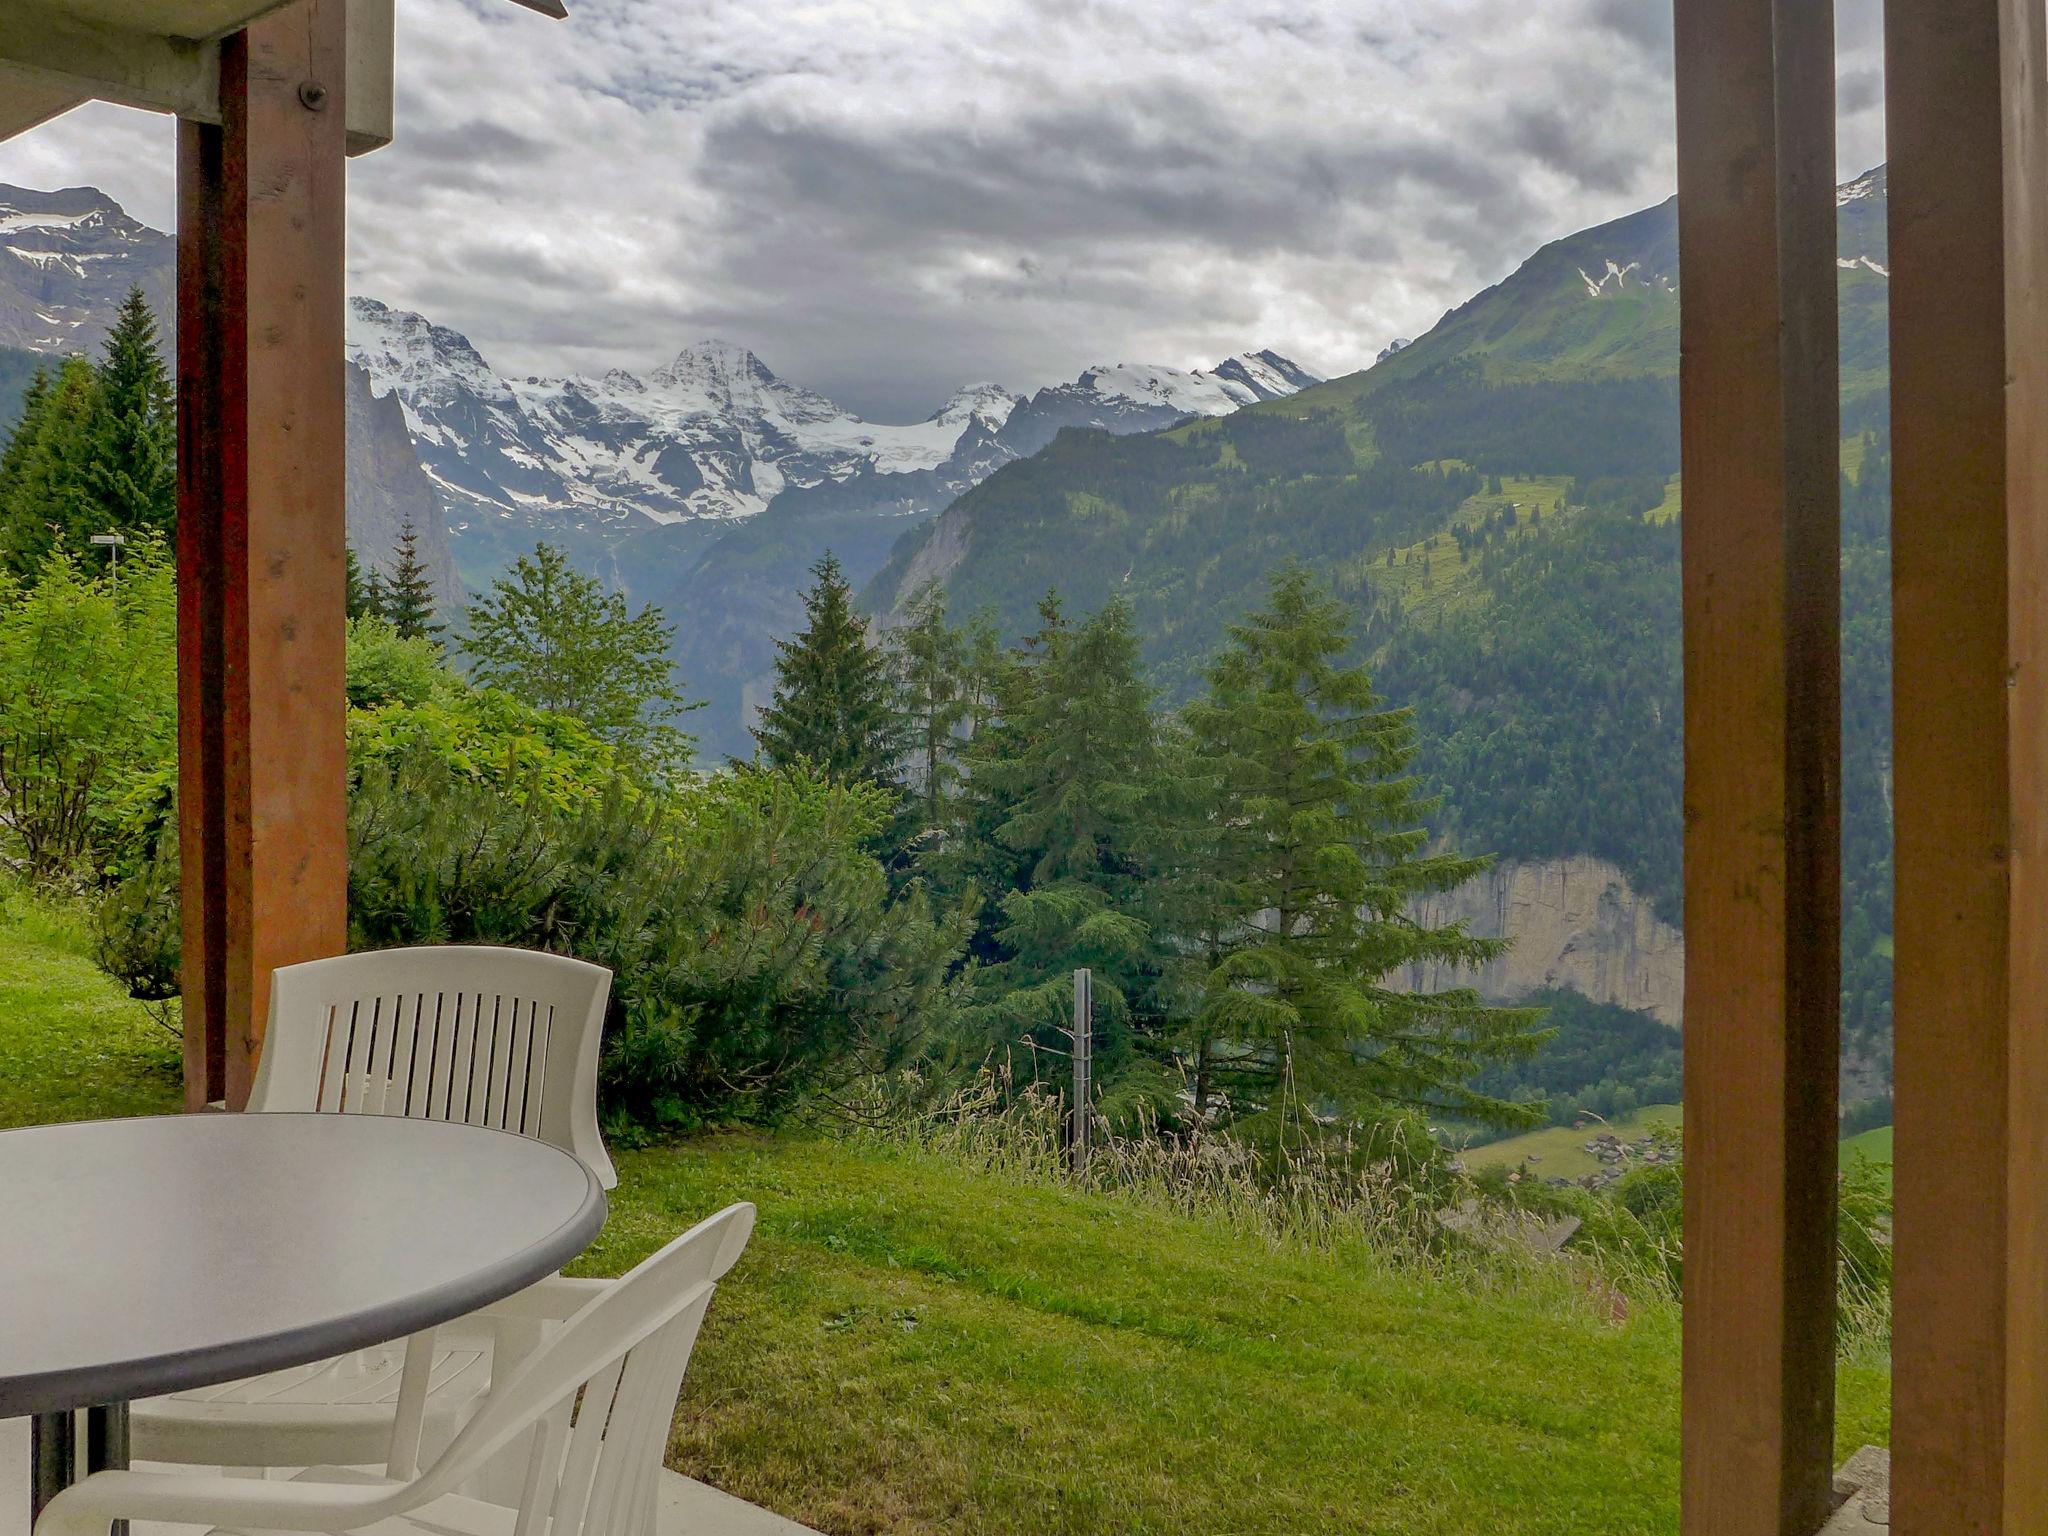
(1559, 1151)
(911, 1347)
(71, 1046)
(1875, 1145)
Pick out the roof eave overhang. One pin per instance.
(52, 58)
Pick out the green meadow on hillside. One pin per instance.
(914, 1346)
(1559, 1151)
(1876, 1145)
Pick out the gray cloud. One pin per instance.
(885, 197)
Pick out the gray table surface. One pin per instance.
(151, 1255)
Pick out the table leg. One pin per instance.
(52, 1451)
(106, 1446)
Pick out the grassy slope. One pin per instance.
(71, 1047)
(1875, 1145)
(910, 1347)
(1560, 1151)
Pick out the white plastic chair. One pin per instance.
(500, 1037)
(590, 1410)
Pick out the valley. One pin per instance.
(1496, 502)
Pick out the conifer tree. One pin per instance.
(833, 706)
(1077, 786)
(553, 636)
(930, 658)
(46, 493)
(133, 473)
(356, 590)
(407, 600)
(1320, 850)
(34, 401)
(375, 596)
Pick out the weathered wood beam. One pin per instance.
(1967, 127)
(65, 51)
(1758, 345)
(51, 60)
(261, 534)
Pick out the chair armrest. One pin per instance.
(86, 1508)
(552, 1300)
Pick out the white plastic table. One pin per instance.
(153, 1255)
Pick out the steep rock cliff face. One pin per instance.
(387, 488)
(1575, 923)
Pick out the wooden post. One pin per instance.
(1084, 1064)
(1967, 125)
(261, 539)
(1758, 344)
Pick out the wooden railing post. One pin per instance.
(261, 538)
(1967, 127)
(1758, 345)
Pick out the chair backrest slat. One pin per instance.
(505, 1038)
(603, 1387)
(541, 1462)
(586, 1444)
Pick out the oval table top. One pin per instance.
(152, 1255)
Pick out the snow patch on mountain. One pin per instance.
(1242, 380)
(715, 433)
(67, 258)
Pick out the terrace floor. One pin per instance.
(688, 1507)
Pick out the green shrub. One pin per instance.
(88, 708)
(385, 667)
(756, 951)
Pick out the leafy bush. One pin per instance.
(385, 667)
(486, 738)
(88, 708)
(755, 949)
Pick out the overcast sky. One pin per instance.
(887, 198)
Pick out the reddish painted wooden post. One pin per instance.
(261, 546)
(1758, 344)
(1967, 124)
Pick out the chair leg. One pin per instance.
(53, 1454)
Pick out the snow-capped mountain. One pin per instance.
(67, 259)
(717, 434)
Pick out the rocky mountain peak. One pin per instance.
(67, 258)
(716, 362)
(990, 404)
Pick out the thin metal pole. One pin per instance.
(53, 1446)
(106, 1446)
(1084, 1051)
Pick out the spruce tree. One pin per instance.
(375, 596)
(1320, 847)
(46, 492)
(833, 706)
(930, 658)
(1077, 785)
(34, 401)
(1000, 684)
(356, 590)
(556, 638)
(408, 595)
(134, 469)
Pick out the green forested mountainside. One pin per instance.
(1603, 1059)
(1187, 524)
(1497, 503)
(1549, 712)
